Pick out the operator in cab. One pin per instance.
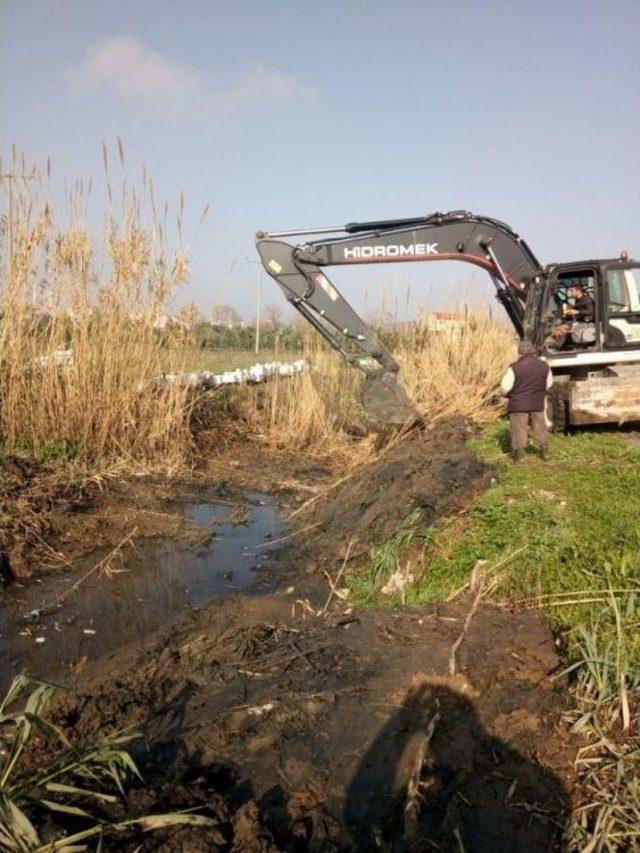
(583, 309)
(525, 385)
(577, 328)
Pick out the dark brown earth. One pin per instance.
(49, 521)
(303, 733)
(430, 470)
(305, 725)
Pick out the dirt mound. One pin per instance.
(430, 469)
(342, 732)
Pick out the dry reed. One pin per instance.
(450, 372)
(79, 345)
(78, 342)
(456, 370)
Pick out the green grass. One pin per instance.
(220, 360)
(564, 535)
(365, 585)
(50, 453)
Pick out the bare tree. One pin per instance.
(224, 315)
(272, 314)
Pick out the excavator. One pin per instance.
(596, 364)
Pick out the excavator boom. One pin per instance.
(457, 235)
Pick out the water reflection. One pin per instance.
(151, 584)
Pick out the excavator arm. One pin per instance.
(458, 235)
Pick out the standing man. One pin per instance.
(525, 384)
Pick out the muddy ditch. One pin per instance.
(220, 542)
(301, 723)
(49, 521)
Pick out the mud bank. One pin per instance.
(342, 732)
(432, 471)
(51, 520)
(300, 723)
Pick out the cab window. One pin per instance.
(562, 326)
(622, 301)
(566, 280)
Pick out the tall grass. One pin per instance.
(94, 294)
(79, 344)
(606, 814)
(456, 371)
(83, 786)
(319, 411)
(446, 373)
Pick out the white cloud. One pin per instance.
(137, 73)
(259, 86)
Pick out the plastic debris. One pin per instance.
(32, 615)
(253, 375)
(58, 358)
(261, 710)
(397, 582)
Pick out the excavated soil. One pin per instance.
(431, 470)
(300, 723)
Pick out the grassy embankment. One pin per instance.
(562, 536)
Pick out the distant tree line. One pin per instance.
(207, 335)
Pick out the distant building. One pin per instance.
(444, 321)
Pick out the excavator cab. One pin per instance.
(613, 287)
(596, 365)
(559, 328)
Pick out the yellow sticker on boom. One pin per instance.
(275, 266)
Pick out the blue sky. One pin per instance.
(303, 113)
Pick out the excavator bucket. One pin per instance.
(385, 399)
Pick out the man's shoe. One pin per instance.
(544, 452)
(518, 456)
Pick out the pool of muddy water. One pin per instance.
(46, 630)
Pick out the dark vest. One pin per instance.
(586, 308)
(530, 386)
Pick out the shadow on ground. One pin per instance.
(461, 789)
(432, 779)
